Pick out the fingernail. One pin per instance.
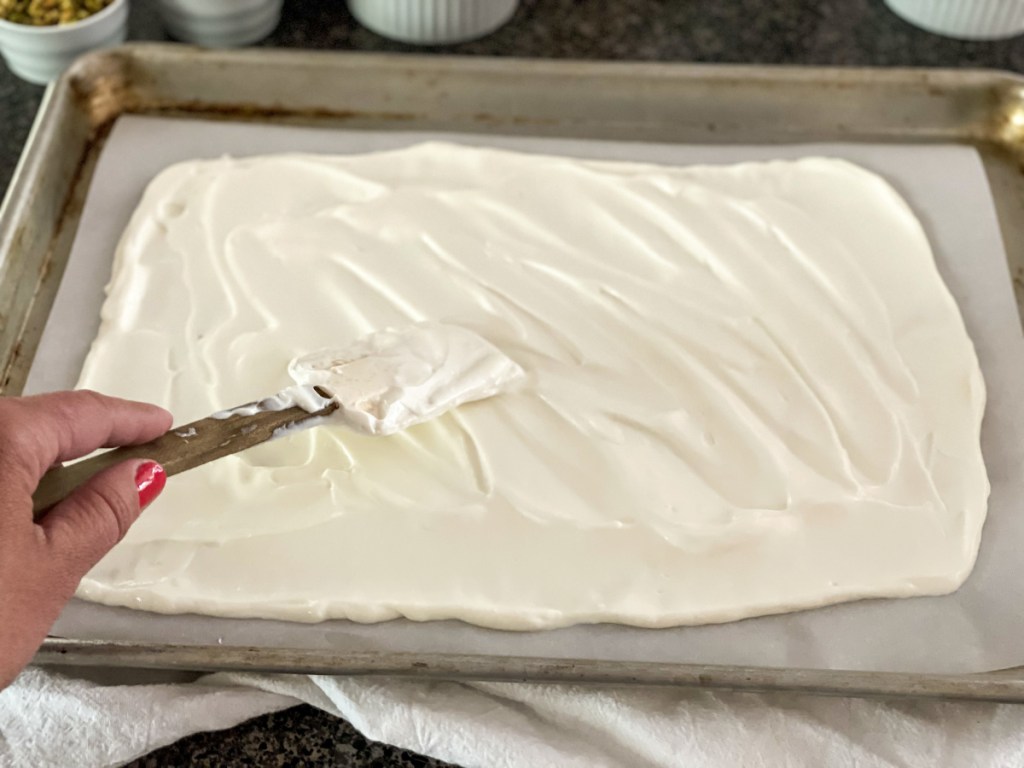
(150, 479)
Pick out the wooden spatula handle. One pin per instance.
(182, 448)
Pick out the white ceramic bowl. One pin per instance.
(220, 23)
(39, 54)
(966, 19)
(432, 22)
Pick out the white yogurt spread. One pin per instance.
(746, 391)
(391, 380)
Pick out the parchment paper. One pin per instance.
(977, 629)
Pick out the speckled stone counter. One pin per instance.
(301, 736)
(813, 32)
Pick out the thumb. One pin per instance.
(83, 528)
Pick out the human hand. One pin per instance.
(41, 562)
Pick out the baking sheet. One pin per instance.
(979, 628)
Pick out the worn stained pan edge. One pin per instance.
(635, 101)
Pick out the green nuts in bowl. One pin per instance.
(44, 13)
(40, 38)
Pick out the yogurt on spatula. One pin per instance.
(391, 380)
(379, 385)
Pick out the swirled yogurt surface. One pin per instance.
(746, 390)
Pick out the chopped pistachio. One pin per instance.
(41, 13)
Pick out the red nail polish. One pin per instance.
(150, 479)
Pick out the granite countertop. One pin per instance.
(813, 32)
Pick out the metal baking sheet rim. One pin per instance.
(41, 208)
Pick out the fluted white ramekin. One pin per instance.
(967, 19)
(432, 22)
(39, 54)
(220, 23)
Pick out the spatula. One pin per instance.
(381, 384)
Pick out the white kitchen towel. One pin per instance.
(51, 720)
(47, 717)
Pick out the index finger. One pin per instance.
(39, 430)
